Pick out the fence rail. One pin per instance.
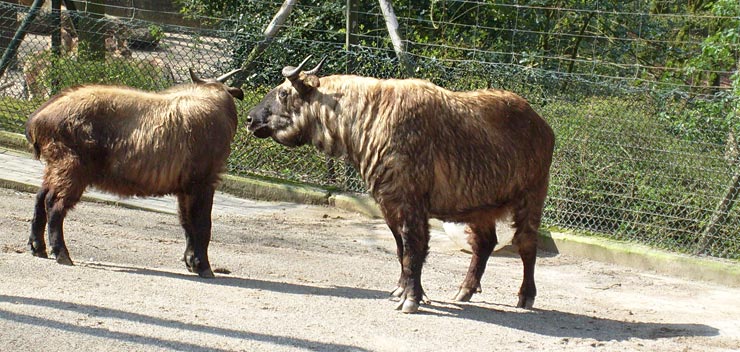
(645, 152)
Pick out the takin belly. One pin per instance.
(128, 187)
(456, 196)
(143, 177)
(461, 204)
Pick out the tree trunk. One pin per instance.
(351, 38)
(8, 23)
(574, 52)
(11, 50)
(727, 202)
(56, 24)
(392, 23)
(270, 33)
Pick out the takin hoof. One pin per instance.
(194, 266)
(40, 252)
(525, 302)
(463, 295)
(398, 293)
(408, 306)
(206, 273)
(63, 258)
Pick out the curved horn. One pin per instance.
(226, 76)
(194, 77)
(316, 69)
(291, 72)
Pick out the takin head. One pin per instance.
(234, 91)
(278, 114)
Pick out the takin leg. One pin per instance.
(38, 224)
(526, 241)
(413, 226)
(197, 224)
(482, 240)
(401, 286)
(183, 204)
(58, 203)
(65, 181)
(398, 291)
(527, 220)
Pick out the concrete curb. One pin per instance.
(724, 272)
(14, 141)
(358, 203)
(253, 188)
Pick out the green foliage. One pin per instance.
(52, 73)
(643, 96)
(699, 119)
(266, 158)
(711, 117)
(156, 32)
(633, 179)
(652, 41)
(313, 24)
(14, 113)
(145, 38)
(719, 49)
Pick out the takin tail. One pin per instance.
(31, 140)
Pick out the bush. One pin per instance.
(145, 38)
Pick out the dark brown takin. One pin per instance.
(424, 151)
(134, 143)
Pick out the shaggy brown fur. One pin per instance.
(133, 143)
(425, 151)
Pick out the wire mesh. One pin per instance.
(646, 150)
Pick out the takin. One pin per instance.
(424, 151)
(130, 142)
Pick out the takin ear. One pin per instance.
(312, 81)
(305, 84)
(235, 92)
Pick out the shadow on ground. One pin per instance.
(101, 312)
(538, 321)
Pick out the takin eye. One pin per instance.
(283, 94)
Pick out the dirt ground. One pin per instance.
(299, 277)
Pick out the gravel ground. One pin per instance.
(300, 277)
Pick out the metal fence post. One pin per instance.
(12, 48)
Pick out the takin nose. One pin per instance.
(253, 120)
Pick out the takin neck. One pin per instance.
(353, 120)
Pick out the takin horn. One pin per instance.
(226, 76)
(316, 69)
(291, 72)
(194, 77)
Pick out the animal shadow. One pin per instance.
(569, 325)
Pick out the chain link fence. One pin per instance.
(638, 157)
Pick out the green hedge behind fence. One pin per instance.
(648, 163)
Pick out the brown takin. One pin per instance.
(424, 151)
(134, 143)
